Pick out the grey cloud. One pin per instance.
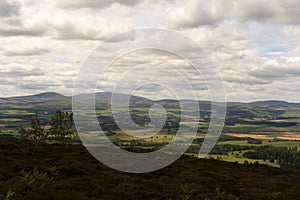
(273, 73)
(286, 12)
(26, 52)
(63, 25)
(257, 10)
(21, 73)
(33, 87)
(7, 81)
(195, 13)
(248, 80)
(76, 4)
(279, 69)
(8, 9)
(18, 31)
(14, 27)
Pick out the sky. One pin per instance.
(255, 44)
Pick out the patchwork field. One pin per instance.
(247, 126)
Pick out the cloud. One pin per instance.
(255, 44)
(25, 46)
(195, 13)
(292, 33)
(258, 10)
(8, 8)
(23, 26)
(76, 4)
(64, 26)
(86, 27)
(276, 69)
(225, 41)
(285, 12)
(28, 76)
(26, 52)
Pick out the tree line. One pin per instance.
(61, 124)
(285, 157)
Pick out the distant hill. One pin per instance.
(52, 97)
(275, 104)
(264, 109)
(37, 98)
(106, 96)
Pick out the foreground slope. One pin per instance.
(70, 172)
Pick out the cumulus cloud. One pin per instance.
(224, 41)
(261, 78)
(22, 26)
(195, 13)
(87, 27)
(26, 47)
(59, 24)
(275, 69)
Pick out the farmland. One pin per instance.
(246, 126)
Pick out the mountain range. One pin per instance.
(52, 97)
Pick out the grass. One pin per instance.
(278, 129)
(241, 128)
(11, 120)
(287, 144)
(15, 112)
(291, 113)
(14, 132)
(237, 156)
(238, 143)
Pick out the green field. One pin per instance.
(11, 120)
(236, 156)
(288, 144)
(241, 119)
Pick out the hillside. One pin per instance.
(70, 172)
(37, 98)
(275, 104)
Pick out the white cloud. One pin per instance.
(22, 46)
(225, 41)
(194, 13)
(44, 19)
(292, 33)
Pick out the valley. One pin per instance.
(248, 126)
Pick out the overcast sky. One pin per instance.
(255, 44)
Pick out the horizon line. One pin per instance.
(247, 102)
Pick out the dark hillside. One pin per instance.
(70, 172)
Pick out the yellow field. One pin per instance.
(268, 135)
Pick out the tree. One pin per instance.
(61, 124)
(36, 131)
(22, 132)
